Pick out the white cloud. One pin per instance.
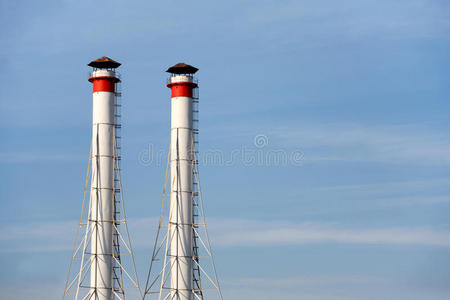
(334, 287)
(37, 290)
(274, 234)
(415, 200)
(311, 287)
(391, 187)
(59, 236)
(428, 191)
(355, 19)
(30, 157)
(41, 291)
(297, 281)
(410, 144)
(38, 237)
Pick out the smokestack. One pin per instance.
(103, 246)
(182, 265)
(104, 79)
(182, 84)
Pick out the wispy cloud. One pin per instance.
(38, 237)
(415, 200)
(234, 288)
(273, 234)
(311, 287)
(403, 19)
(412, 144)
(327, 287)
(38, 289)
(391, 187)
(30, 157)
(403, 192)
(58, 236)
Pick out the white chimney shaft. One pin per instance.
(102, 184)
(181, 172)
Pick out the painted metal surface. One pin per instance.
(104, 62)
(182, 68)
(180, 215)
(182, 265)
(102, 185)
(104, 81)
(102, 252)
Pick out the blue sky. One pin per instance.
(358, 90)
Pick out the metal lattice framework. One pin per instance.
(205, 284)
(78, 285)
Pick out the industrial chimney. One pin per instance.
(101, 275)
(104, 81)
(181, 168)
(186, 239)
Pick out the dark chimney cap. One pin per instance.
(104, 63)
(182, 68)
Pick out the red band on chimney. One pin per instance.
(182, 89)
(103, 84)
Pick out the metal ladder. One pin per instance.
(118, 287)
(196, 280)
